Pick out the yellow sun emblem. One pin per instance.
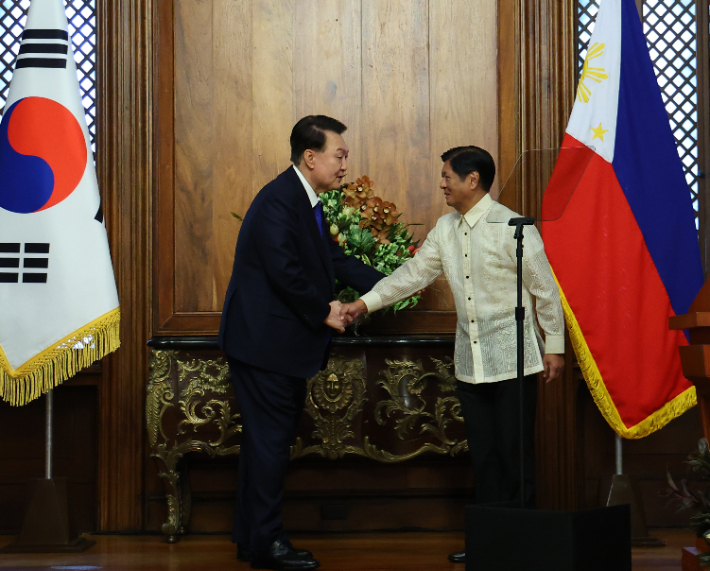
(594, 73)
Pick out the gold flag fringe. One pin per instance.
(63, 360)
(687, 399)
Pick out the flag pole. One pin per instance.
(46, 527)
(49, 411)
(625, 489)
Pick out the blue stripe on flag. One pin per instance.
(650, 172)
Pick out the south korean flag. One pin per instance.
(59, 309)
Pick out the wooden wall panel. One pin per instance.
(272, 100)
(395, 107)
(463, 85)
(233, 95)
(195, 120)
(233, 160)
(327, 74)
(243, 72)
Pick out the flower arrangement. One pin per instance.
(368, 228)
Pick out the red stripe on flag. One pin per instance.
(603, 266)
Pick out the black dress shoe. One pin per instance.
(458, 557)
(281, 556)
(245, 554)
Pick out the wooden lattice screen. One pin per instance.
(672, 35)
(82, 27)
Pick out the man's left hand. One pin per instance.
(554, 366)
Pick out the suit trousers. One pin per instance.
(491, 415)
(270, 405)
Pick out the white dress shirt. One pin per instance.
(478, 258)
(312, 196)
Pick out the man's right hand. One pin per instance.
(352, 310)
(335, 318)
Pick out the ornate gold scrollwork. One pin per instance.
(207, 376)
(201, 377)
(160, 392)
(405, 381)
(335, 397)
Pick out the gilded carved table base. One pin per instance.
(190, 408)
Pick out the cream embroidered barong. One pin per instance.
(478, 259)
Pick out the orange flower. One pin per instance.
(365, 181)
(389, 213)
(372, 213)
(357, 193)
(380, 234)
(350, 192)
(382, 238)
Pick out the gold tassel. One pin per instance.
(673, 409)
(63, 360)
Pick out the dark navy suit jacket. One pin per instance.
(283, 281)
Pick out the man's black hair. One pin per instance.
(309, 133)
(465, 160)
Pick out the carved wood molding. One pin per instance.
(536, 93)
(125, 175)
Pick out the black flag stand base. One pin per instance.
(625, 489)
(46, 528)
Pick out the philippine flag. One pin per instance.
(59, 308)
(625, 252)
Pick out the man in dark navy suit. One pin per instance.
(277, 322)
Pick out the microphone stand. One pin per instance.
(520, 323)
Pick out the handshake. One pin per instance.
(342, 315)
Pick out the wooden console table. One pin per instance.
(388, 399)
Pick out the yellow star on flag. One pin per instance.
(599, 132)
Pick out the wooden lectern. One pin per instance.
(695, 359)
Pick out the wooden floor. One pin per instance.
(361, 552)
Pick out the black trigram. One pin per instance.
(11, 254)
(37, 44)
